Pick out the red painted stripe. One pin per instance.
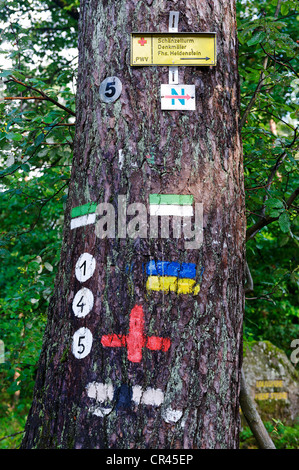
(156, 343)
(113, 341)
(178, 97)
(136, 338)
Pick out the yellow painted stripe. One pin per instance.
(185, 286)
(162, 283)
(172, 284)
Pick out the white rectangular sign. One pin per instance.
(180, 97)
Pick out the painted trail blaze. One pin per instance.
(83, 215)
(171, 204)
(136, 339)
(171, 276)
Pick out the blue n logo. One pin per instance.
(181, 100)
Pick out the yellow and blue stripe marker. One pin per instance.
(171, 276)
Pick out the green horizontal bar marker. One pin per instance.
(88, 208)
(180, 199)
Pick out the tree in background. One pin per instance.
(36, 139)
(30, 240)
(268, 64)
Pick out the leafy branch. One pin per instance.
(40, 211)
(43, 95)
(284, 64)
(261, 79)
(73, 12)
(264, 221)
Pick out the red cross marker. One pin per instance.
(142, 41)
(136, 339)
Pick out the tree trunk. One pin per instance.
(253, 418)
(130, 363)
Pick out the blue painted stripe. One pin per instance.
(171, 268)
(188, 270)
(123, 397)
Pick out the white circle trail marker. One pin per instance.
(82, 343)
(85, 267)
(83, 302)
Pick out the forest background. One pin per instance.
(38, 60)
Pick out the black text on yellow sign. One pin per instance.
(196, 49)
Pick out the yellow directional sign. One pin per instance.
(197, 49)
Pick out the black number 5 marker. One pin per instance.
(82, 342)
(110, 89)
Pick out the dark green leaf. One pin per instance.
(284, 222)
(40, 138)
(274, 203)
(257, 38)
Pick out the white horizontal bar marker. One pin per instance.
(101, 392)
(137, 394)
(83, 220)
(171, 209)
(150, 396)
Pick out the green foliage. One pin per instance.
(268, 68)
(283, 437)
(36, 152)
(39, 46)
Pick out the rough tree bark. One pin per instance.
(195, 153)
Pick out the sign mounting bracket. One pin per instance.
(173, 27)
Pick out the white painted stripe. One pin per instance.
(83, 220)
(100, 411)
(171, 209)
(101, 392)
(150, 396)
(137, 394)
(171, 416)
(121, 158)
